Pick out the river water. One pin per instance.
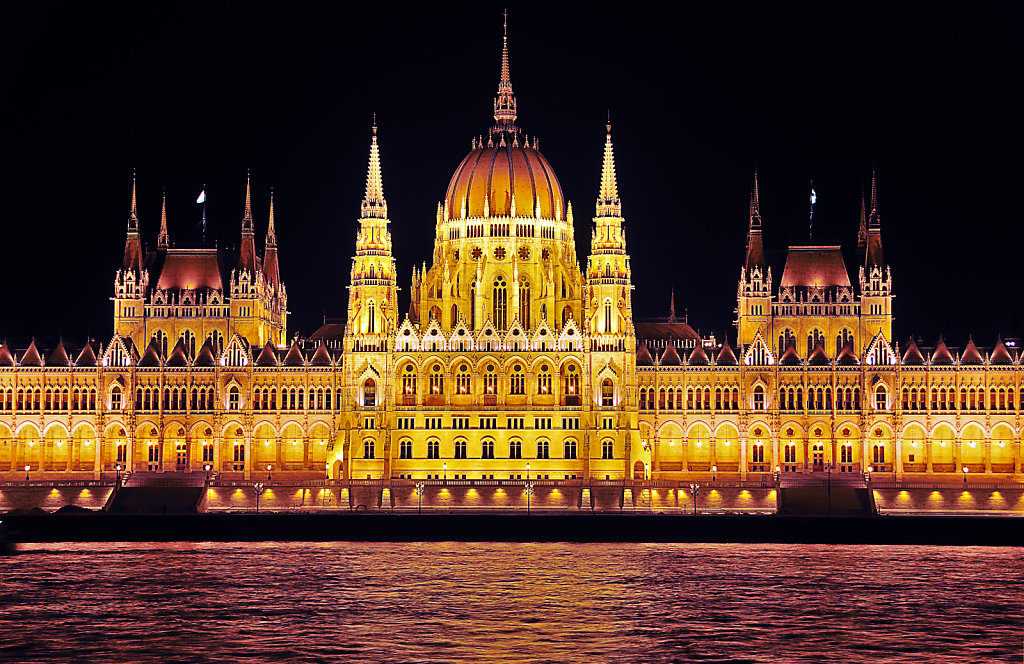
(457, 602)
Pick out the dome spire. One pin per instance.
(608, 204)
(505, 102)
(374, 205)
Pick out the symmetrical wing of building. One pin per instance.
(512, 359)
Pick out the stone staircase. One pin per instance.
(159, 493)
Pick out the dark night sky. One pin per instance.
(196, 93)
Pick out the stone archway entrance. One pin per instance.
(638, 470)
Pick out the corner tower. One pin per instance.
(754, 295)
(875, 276)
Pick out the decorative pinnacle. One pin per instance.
(133, 217)
(874, 219)
(755, 206)
(271, 232)
(862, 230)
(247, 218)
(608, 204)
(505, 102)
(374, 206)
(163, 239)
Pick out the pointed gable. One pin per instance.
(970, 355)
(321, 358)
(643, 357)
(294, 357)
(178, 357)
(913, 356)
(941, 356)
(698, 357)
(670, 358)
(268, 356)
(790, 357)
(1000, 355)
(6, 358)
(87, 358)
(847, 358)
(58, 357)
(818, 357)
(725, 356)
(151, 358)
(205, 357)
(31, 357)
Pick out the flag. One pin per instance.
(202, 197)
(814, 196)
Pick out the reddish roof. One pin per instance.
(329, 331)
(151, 358)
(847, 357)
(818, 357)
(643, 357)
(970, 354)
(815, 266)
(178, 358)
(190, 269)
(267, 358)
(58, 357)
(6, 359)
(31, 357)
(321, 358)
(698, 357)
(942, 356)
(205, 358)
(87, 358)
(913, 356)
(294, 357)
(665, 332)
(670, 357)
(1000, 355)
(789, 358)
(726, 356)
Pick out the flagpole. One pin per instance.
(810, 228)
(204, 213)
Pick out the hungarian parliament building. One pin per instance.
(513, 359)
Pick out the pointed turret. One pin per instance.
(271, 269)
(873, 252)
(608, 204)
(374, 206)
(505, 101)
(725, 356)
(163, 240)
(133, 243)
(913, 356)
(1000, 355)
(941, 356)
(755, 247)
(31, 357)
(970, 354)
(672, 306)
(247, 250)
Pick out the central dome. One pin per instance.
(491, 178)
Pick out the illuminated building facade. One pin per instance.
(513, 361)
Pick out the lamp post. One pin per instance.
(258, 490)
(828, 485)
(446, 471)
(419, 497)
(27, 468)
(647, 480)
(965, 469)
(714, 473)
(529, 492)
(778, 475)
(867, 475)
(207, 468)
(117, 477)
(527, 471)
(694, 490)
(268, 471)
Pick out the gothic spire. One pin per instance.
(374, 206)
(163, 240)
(874, 220)
(755, 248)
(862, 229)
(133, 217)
(672, 306)
(873, 254)
(133, 244)
(505, 102)
(271, 231)
(755, 206)
(608, 204)
(247, 217)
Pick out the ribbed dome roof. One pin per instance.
(499, 173)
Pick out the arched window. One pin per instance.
(409, 384)
(436, 380)
(487, 448)
(455, 314)
(524, 302)
(472, 306)
(461, 448)
(607, 449)
(544, 380)
(516, 380)
(607, 393)
(189, 342)
(881, 398)
(161, 340)
(608, 315)
(515, 449)
(234, 398)
(462, 380)
(571, 381)
(499, 303)
(115, 398)
(758, 398)
(405, 449)
(371, 317)
(217, 341)
(813, 339)
(878, 453)
(643, 398)
(433, 449)
(369, 393)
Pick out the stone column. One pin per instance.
(97, 465)
(897, 463)
(988, 455)
(743, 456)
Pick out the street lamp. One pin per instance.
(714, 473)
(527, 471)
(647, 479)
(966, 470)
(529, 492)
(828, 476)
(694, 490)
(419, 497)
(207, 468)
(117, 477)
(445, 471)
(268, 471)
(258, 490)
(27, 468)
(871, 469)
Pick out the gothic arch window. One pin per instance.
(566, 315)
(524, 302)
(455, 314)
(881, 398)
(608, 315)
(371, 317)
(369, 393)
(544, 380)
(217, 341)
(472, 306)
(544, 311)
(813, 339)
(842, 338)
(499, 303)
(607, 392)
(563, 286)
(161, 340)
(462, 380)
(786, 339)
(759, 398)
(234, 398)
(115, 398)
(189, 341)
(571, 382)
(434, 313)
(517, 381)
(436, 380)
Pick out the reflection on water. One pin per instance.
(456, 602)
